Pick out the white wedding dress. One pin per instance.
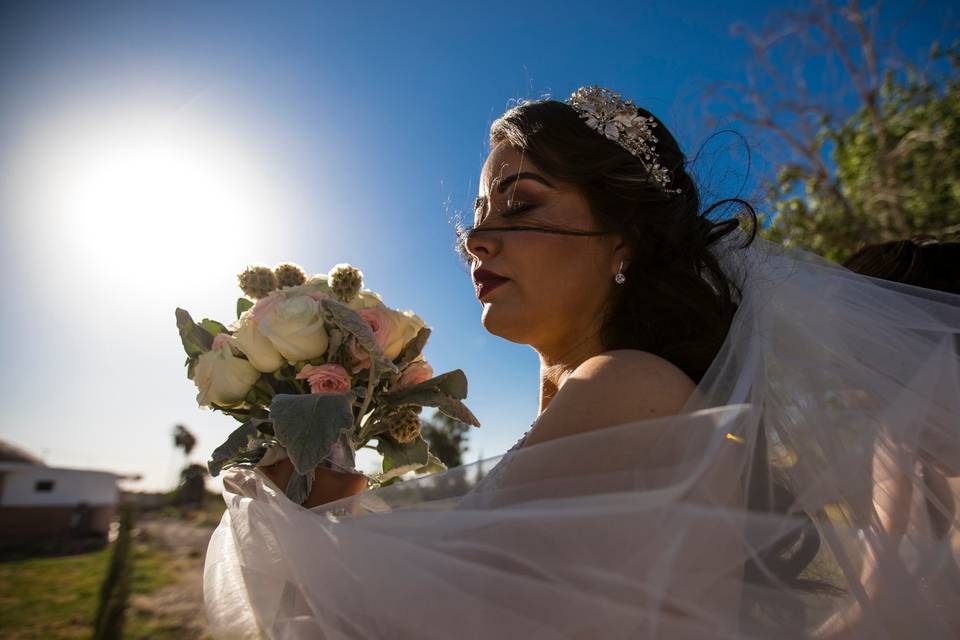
(849, 388)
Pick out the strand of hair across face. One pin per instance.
(566, 232)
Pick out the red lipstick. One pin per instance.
(486, 281)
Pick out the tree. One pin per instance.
(446, 438)
(874, 153)
(192, 490)
(183, 439)
(192, 487)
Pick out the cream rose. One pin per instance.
(221, 377)
(320, 282)
(393, 329)
(366, 299)
(251, 341)
(412, 323)
(295, 328)
(325, 378)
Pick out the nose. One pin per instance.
(480, 243)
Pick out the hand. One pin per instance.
(328, 485)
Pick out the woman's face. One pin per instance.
(556, 284)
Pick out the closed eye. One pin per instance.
(463, 232)
(516, 208)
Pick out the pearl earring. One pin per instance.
(620, 278)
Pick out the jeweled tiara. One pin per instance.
(606, 112)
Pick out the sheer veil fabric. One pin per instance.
(835, 400)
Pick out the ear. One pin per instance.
(621, 253)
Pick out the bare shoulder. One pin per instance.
(614, 387)
(619, 363)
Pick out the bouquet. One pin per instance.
(315, 368)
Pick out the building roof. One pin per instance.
(12, 453)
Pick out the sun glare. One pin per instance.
(145, 198)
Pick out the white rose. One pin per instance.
(366, 299)
(258, 349)
(223, 378)
(295, 328)
(316, 284)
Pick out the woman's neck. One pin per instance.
(556, 365)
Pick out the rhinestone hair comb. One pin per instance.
(606, 112)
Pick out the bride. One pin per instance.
(734, 439)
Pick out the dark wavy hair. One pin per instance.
(676, 302)
(922, 261)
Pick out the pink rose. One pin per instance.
(219, 340)
(393, 329)
(263, 305)
(325, 378)
(317, 295)
(378, 321)
(417, 372)
(359, 358)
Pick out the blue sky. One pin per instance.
(149, 151)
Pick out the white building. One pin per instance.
(40, 503)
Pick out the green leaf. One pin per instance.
(286, 372)
(309, 424)
(191, 365)
(242, 305)
(213, 327)
(413, 348)
(196, 339)
(400, 458)
(264, 386)
(236, 443)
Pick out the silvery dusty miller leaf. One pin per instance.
(452, 383)
(299, 486)
(351, 322)
(431, 397)
(307, 425)
(236, 442)
(413, 348)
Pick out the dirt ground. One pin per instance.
(179, 604)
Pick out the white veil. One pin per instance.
(831, 414)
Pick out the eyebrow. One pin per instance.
(502, 184)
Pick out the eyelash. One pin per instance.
(515, 209)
